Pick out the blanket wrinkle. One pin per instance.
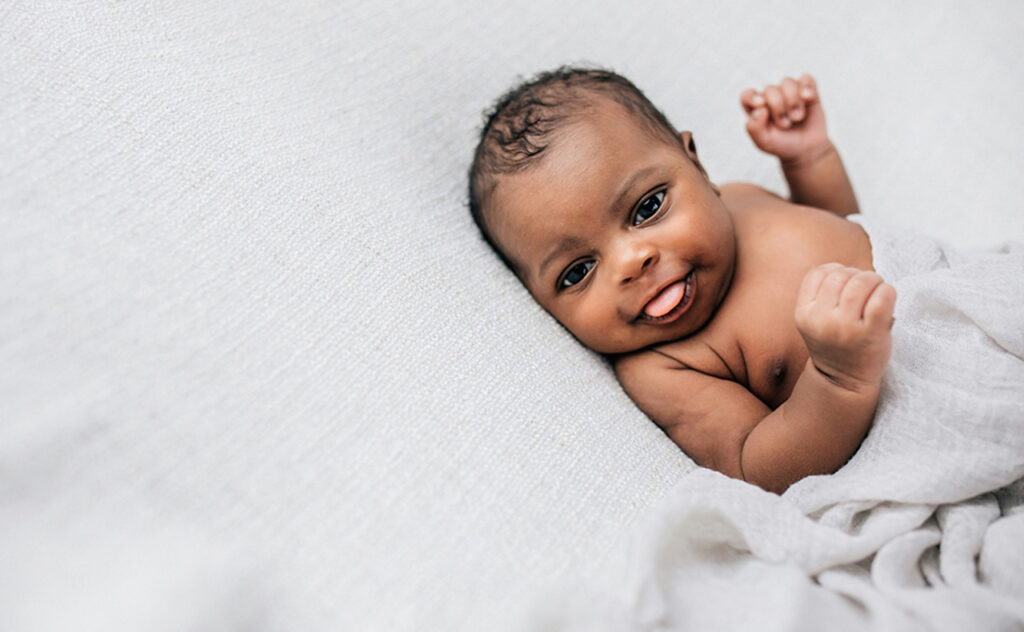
(963, 527)
(896, 564)
(853, 583)
(1002, 556)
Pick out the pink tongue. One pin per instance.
(666, 300)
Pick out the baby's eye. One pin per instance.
(648, 208)
(575, 274)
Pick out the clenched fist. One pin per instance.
(787, 120)
(845, 316)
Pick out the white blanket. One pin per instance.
(921, 529)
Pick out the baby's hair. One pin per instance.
(520, 124)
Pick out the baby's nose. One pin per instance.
(637, 260)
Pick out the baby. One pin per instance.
(751, 328)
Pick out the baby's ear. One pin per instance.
(690, 148)
(688, 145)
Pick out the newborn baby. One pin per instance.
(751, 328)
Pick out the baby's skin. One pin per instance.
(751, 328)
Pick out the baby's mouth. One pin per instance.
(671, 302)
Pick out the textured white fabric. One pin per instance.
(900, 529)
(258, 371)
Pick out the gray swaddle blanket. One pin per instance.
(922, 528)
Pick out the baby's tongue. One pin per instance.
(665, 300)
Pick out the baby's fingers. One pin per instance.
(856, 292)
(808, 88)
(750, 99)
(812, 282)
(794, 104)
(757, 115)
(777, 106)
(757, 125)
(878, 312)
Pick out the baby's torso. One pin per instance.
(752, 337)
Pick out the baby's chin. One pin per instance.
(607, 347)
(637, 344)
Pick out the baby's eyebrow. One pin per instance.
(566, 243)
(627, 188)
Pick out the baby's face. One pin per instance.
(618, 234)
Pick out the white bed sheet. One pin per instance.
(256, 368)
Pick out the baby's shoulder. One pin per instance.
(780, 225)
(744, 194)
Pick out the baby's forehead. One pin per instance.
(605, 137)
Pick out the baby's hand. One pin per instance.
(845, 316)
(787, 120)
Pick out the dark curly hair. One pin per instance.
(520, 124)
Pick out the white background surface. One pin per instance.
(258, 371)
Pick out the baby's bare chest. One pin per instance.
(752, 338)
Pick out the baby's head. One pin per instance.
(602, 210)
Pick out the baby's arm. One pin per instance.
(788, 121)
(845, 316)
